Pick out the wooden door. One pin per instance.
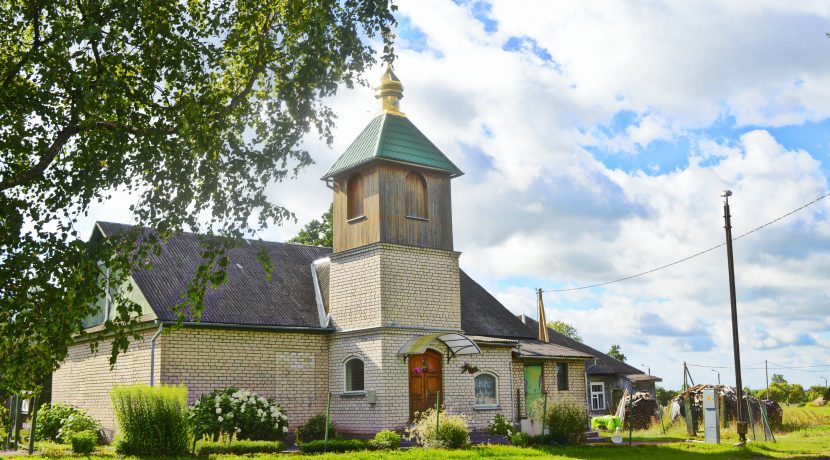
(423, 386)
(534, 385)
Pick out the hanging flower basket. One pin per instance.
(421, 370)
(468, 368)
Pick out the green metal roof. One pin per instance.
(395, 138)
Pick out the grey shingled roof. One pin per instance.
(643, 378)
(537, 349)
(286, 300)
(605, 365)
(483, 314)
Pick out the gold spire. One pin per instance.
(390, 92)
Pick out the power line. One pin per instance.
(799, 367)
(693, 255)
(772, 366)
(720, 367)
(804, 368)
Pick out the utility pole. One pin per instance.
(766, 372)
(717, 372)
(741, 423)
(647, 367)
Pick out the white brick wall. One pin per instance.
(84, 379)
(289, 367)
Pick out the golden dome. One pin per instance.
(390, 92)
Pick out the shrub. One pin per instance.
(565, 423)
(51, 449)
(334, 445)
(4, 422)
(500, 426)
(241, 413)
(56, 422)
(520, 439)
(386, 439)
(315, 429)
(452, 431)
(240, 448)
(152, 420)
(78, 422)
(84, 442)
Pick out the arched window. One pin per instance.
(486, 387)
(416, 195)
(354, 374)
(354, 194)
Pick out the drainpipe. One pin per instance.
(512, 401)
(153, 353)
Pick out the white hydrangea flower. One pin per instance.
(221, 418)
(218, 410)
(230, 414)
(285, 429)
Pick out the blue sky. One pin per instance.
(596, 138)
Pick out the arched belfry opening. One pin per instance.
(355, 196)
(417, 197)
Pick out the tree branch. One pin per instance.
(46, 158)
(36, 44)
(259, 67)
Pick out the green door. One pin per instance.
(533, 387)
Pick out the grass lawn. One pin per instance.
(810, 440)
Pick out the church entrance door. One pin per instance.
(424, 381)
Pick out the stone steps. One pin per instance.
(593, 437)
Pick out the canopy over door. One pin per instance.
(457, 345)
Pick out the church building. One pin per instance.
(384, 321)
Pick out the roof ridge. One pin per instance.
(381, 135)
(185, 232)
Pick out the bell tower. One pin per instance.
(393, 261)
(392, 185)
(393, 275)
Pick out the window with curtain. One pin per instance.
(597, 396)
(486, 389)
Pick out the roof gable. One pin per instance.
(395, 138)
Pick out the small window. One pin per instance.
(561, 376)
(354, 374)
(597, 396)
(416, 195)
(486, 388)
(354, 197)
